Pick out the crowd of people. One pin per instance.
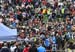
(39, 24)
(18, 47)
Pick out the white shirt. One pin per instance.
(12, 48)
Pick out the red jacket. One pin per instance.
(26, 49)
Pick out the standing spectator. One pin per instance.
(33, 49)
(26, 49)
(41, 49)
(13, 47)
(5, 48)
(47, 43)
(18, 49)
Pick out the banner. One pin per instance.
(6, 33)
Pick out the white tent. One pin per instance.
(7, 34)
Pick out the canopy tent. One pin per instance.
(7, 34)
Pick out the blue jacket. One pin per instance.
(54, 39)
(47, 42)
(41, 49)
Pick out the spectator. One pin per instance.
(33, 48)
(47, 43)
(18, 49)
(13, 47)
(26, 49)
(5, 48)
(41, 49)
